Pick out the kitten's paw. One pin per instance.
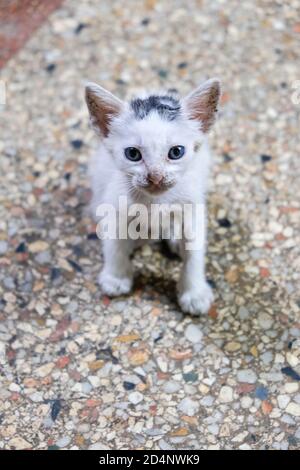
(196, 300)
(114, 286)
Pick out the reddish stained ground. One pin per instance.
(18, 21)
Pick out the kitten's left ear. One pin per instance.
(103, 107)
(202, 104)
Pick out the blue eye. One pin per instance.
(176, 152)
(133, 154)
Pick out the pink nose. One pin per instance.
(155, 178)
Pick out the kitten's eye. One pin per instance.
(176, 152)
(133, 154)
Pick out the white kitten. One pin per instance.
(153, 150)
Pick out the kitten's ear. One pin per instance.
(201, 105)
(103, 106)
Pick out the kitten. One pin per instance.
(153, 150)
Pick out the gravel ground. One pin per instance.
(82, 371)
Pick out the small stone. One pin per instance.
(265, 320)
(163, 73)
(265, 158)
(291, 387)
(45, 369)
(18, 443)
(283, 401)
(138, 357)
(246, 402)
(94, 380)
(80, 27)
(128, 385)
(21, 248)
(232, 346)
(63, 442)
(135, 397)
(76, 143)
(254, 351)
(62, 362)
(14, 388)
(182, 65)
(163, 445)
(232, 275)
(193, 333)
(293, 409)
(50, 68)
(96, 365)
(225, 223)
(292, 359)
(180, 355)
(213, 429)
(3, 247)
(290, 373)
(179, 432)
(247, 376)
(131, 338)
(266, 407)
(171, 386)
(38, 246)
(55, 409)
(99, 446)
(188, 406)
(261, 393)
(190, 377)
(245, 447)
(36, 397)
(86, 387)
(226, 394)
(243, 313)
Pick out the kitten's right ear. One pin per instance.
(103, 106)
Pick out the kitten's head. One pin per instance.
(153, 139)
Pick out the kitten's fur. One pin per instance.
(153, 124)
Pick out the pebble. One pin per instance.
(44, 370)
(293, 409)
(18, 443)
(99, 446)
(94, 380)
(226, 394)
(283, 401)
(63, 442)
(232, 346)
(171, 386)
(135, 397)
(261, 393)
(291, 387)
(193, 333)
(247, 376)
(265, 320)
(3, 247)
(243, 313)
(188, 406)
(38, 246)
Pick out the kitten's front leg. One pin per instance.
(116, 277)
(195, 294)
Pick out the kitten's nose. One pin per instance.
(155, 178)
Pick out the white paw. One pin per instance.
(114, 286)
(196, 300)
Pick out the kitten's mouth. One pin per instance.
(156, 189)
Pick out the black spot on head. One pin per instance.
(166, 106)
